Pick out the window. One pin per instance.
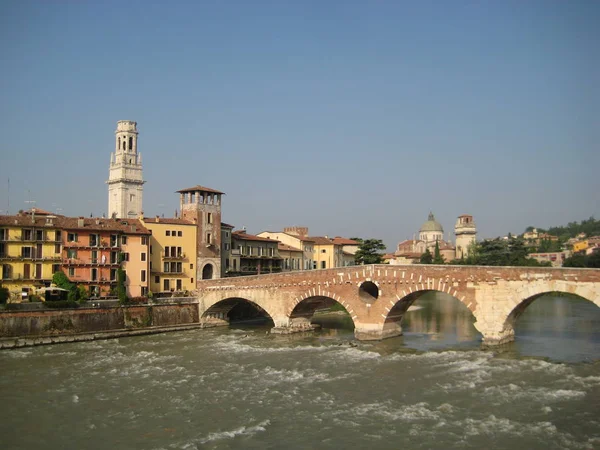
(208, 238)
(143, 256)
(114, 240)
(168, 233)
(114, 258)
(113, 274)
(179, 284)
(226, 246)
(209, 218)
(71, 237)
(26, 252)
(323, 265)
(39, 235)
(94, 240)
(26, 235)
(56, 248)
(173, 233)
(71, 271)
(130, 143)
(166, 286)
(143, 276)
(192, 280)
(124, 240)
(125, 256)
(55, 268)
(57, 235)
(166, 267)
(191, 266)
(94, 256)
(94, 274)
(144, 290)
(72, 253)
(144, 240)
(150, 249)
(6, 271)
(180, 233)
(38, 271)
(323, 251)
(157, 279)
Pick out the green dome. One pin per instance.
(431, 225)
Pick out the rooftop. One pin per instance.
(200, 188)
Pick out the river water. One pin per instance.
(231, 388)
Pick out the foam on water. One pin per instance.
(229, 434)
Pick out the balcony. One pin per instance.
(182, 274)
(178, 257)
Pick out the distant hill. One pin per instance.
(591, 227)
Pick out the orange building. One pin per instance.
(95, 248)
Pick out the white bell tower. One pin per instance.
(125, 182)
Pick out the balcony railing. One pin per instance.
(179, 256)
(182, 273)
(88, 261)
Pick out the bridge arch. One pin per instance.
(524, 300)
(303, 312)
(394, 319)
(216, 307)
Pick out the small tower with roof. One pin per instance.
(466, 234)
(202, 206)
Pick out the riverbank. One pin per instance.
(32, 341)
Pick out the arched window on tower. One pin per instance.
(130, 143)
(119, 144)
(124, 145)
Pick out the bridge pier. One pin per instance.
(495, 333)
(293, 325)
(377, 331)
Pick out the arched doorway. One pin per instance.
(207, 272)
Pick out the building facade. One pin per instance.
(173, 259)
(94, 249)
(125, 181)
(30, 252)
(295, 237)
(253, 255)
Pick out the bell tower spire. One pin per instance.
(125, 182)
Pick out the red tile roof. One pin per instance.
(250, 237)
(167, 221)
(344, 241)
(200, 188)
(128, 226)
(226, 225)
(321, 240)
(288, 248)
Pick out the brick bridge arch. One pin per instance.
(490, 293)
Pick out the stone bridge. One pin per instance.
(377, 296)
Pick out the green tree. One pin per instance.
(369, 251)
(62, 281)
(4, 295)
(437, 256)
(426, 258)
(121, 289)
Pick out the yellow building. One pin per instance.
(581, 246)
(172, 255)
(327, 254)
(30, 252)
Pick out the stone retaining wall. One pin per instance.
(76, 321)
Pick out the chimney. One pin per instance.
(80, 222)
(157, 219)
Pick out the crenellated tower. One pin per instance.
(125, 182)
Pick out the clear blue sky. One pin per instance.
(349, 117)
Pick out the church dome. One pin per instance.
(431, 225)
